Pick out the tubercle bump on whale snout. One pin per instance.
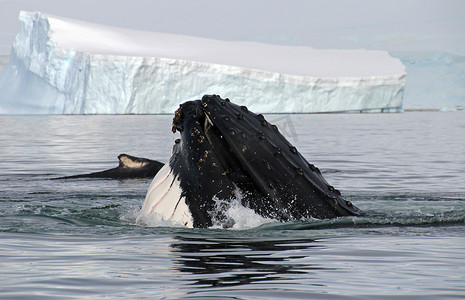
(196, 110)
(189, 110)
(177, 120)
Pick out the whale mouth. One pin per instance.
(224, 146)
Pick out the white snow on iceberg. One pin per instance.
(65, 66)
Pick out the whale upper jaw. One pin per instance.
(225, 147)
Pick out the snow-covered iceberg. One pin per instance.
(65, 66)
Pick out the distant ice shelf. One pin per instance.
(63, 66)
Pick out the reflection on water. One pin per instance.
(229, 261)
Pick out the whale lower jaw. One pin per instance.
(164, 203)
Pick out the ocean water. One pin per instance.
(67, 239)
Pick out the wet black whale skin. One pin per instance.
(241, 149)
(129, 167)
(224, 149)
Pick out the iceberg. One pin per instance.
(435, 80)
(64, 66)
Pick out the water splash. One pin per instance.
(237, 215)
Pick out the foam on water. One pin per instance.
(238, 215)
(229, 214)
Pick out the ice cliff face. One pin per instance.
(70, 67)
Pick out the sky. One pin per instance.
(437, 25)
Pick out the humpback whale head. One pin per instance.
(225, 149)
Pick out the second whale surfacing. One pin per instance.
(224, 151)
